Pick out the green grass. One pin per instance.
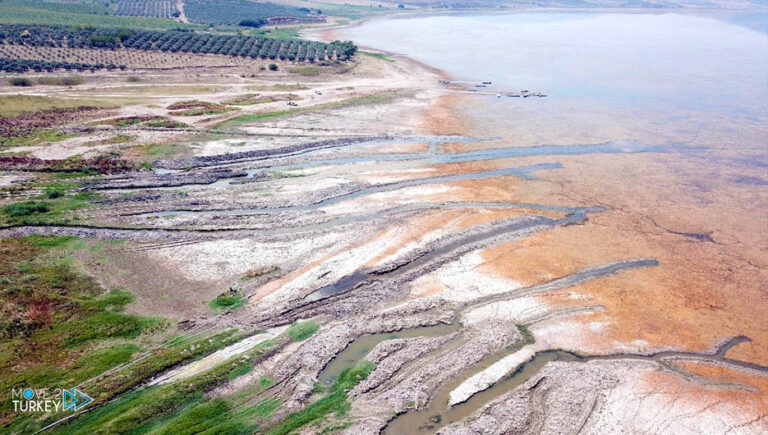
(286, 174)
(59, 327)
(60, 210)
(301, 331)
(379, 56)
(26, 208)
(224, 303)
(100, 360)
(37, 137)
(28, 14)
(180, 406)
(281, 87)
(278, 32)
(525, 333)
(199, 112)
(15, 105)
(306, 71)
(163, 150)
(335, 402)
(377, 98)
(165, 123)
(60, 81)
(41, 241)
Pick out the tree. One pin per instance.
(345, 48)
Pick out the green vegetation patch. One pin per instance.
(301, 331)
(335, 402)
(376, 98)
(165, 123)
(55, 207)
(306, 71)
(58, 325)
(380, 56)
(284, 87)
(229, 301)
(25, 208)
(180, 406)
(65, 13)
(38, 136)
(60, 81)
(15, 105)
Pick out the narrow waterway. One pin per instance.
(360, 348)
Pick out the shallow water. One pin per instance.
(629, 57)
(360, 348)
(659, 78)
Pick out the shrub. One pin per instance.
(60, 81)
(252, 23)
(71, 81)
(224, 303)
(273, 67)
(25, 208)
(20, 81)
(53, 192)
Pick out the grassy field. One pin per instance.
(15, 105)
(38, 12)
(377, 98)
(54, 315)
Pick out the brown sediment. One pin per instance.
(450, 220)
(721, 375)
(441, 117)
(690, 212)
(736, 394)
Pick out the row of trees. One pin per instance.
(145, 8)
(235, 11)
(24, 65)
(177, 41)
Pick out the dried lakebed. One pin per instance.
(424, 348)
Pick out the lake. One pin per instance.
(642, 76)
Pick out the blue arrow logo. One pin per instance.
(74, 399)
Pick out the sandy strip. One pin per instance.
(217, 357)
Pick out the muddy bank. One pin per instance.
(142, 180)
